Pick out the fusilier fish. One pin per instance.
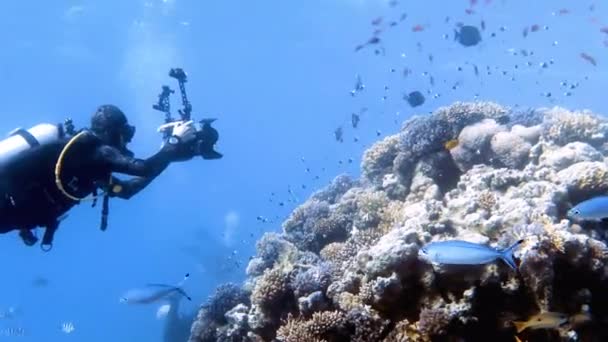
(594, 209)
(458, 252)
(153, 293)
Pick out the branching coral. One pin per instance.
(322, 326)
(562, 126)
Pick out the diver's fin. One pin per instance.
(207, 121)
(211, 154)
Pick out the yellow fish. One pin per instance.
(543, 320)
(450, 144)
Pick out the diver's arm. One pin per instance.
(129, 188)
(148, 168)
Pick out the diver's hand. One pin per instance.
(184, 131)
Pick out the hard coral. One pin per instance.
(338, 187)
(562, 127)
(271, 288)
(211, 315)
(378, 159)
(347, 265)
(313, 225)
(322, 326)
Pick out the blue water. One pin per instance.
(277, 75)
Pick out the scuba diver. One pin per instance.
(48, 169)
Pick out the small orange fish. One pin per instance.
(604, 29)
(418, 28)
(534, 28)
(450, 144)
(469, 11)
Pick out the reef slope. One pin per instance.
(346, 265)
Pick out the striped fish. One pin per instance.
(152, 293)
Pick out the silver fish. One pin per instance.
(594, 209)
(154, 292)
(457, 252)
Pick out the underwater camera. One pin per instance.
(206, 136)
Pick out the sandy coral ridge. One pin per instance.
(346, 266)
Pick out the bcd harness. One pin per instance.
(49, 233)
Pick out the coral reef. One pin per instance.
(346, 266)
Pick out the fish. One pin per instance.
(588, 58)
(467, 35)
(414, 98)
(418, 28)
(594, 209)
(338, 134)
(450, 144)
(12, 332)
(458, 252)
(355, 119)
(10, 313)
(67, 327)
(154, 292)
(543, 320)
(377, 21)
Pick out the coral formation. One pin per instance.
(347, 268)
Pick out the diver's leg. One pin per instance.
(28, 237)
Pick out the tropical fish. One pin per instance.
(450, 144)
(67, 327)
(467, 35)
(458, 252)
(414, 98)
(355, 119)
(594, 209)
(417, 28)
(588, 58)
(543, 320)
(154, 292)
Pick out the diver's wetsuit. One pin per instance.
(30, 198)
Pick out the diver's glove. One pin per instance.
(181, 132)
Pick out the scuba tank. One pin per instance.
(20, 140)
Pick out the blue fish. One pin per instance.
(594, 209)
(154, 292)
(457, 252)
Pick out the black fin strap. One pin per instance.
(104, 212)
